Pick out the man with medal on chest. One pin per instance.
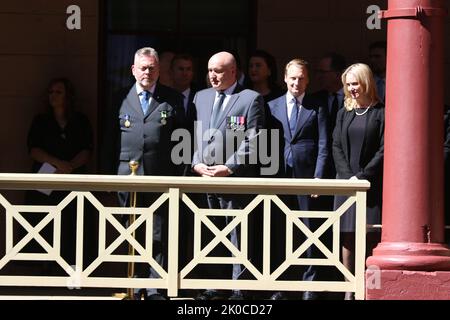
(229, 121)
(147, 118)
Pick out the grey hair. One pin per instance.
(147, 51)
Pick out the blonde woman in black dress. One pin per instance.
(358, 148)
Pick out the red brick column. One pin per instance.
(413, 221)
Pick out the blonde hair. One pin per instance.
(298, 63)
(364, 76)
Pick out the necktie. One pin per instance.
(145, 101)
(217, 108)
(294, 117)
(292, 126)
(185, 103)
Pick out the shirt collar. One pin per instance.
(186, 93)
(241, 79)
(139, 89)
(229, 90)
(290, 97)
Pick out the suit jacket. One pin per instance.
(188, 116)
(309, 144)
(187, 120)
(191, 112)
(330, 172)
(372, 150)
(212, 144)
(147, 138)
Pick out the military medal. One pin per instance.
(241, 123)
(164, 117)
(127, 122)
(233, 123)
(236, 123)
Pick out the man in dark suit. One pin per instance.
(225, 112)
(377, 62)
(182, 74)
(303, 126)
(328, 76)
(147, 118)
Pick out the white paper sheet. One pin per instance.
(46, 168)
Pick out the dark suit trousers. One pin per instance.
(224, 201)
(159, 233)
(305, 202)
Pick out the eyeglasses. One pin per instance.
(150, 68)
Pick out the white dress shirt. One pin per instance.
(290, 103)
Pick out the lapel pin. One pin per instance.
(163, 117)
(127, 122)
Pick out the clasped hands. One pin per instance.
(219, 170)
(63, 166)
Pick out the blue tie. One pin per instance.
(217, 108)
(292, 126)
(294, 117)
(145, 101)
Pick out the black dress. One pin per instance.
(355, 157)
(64, 144)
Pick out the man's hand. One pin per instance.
(219, 171)
(315, 195)
(202, 170)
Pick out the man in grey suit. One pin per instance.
(226, 113)
(147, 118)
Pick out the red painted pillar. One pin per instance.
(413, 214)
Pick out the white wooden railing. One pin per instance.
(173, 190)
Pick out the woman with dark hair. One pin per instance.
(59, 141)
(262, 71)
(61, 137)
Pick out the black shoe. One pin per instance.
(278, 296)
(155, 296)
(310, 295)
(209, 295)
(139, 295)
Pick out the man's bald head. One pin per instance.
(225, 58)
(222, 70)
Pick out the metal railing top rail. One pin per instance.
(76, 182)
